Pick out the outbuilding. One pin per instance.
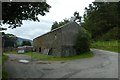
(24, 49)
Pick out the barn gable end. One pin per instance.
(59, 42)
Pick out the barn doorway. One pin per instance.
(40, 49)
(50, 51)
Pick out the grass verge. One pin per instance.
(106, 45)
(0, 60)
(40, 56)
(12, 52)
(4, 72)
(4, 58)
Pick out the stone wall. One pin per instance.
(51, 40)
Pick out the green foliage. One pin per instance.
(77, 16)
(4, 75)
(4, 72)
(4, 58)
(0, 60)
(80, 56)
(8, 40)
(55, 25)
(100, 18)
(58, 24)
(106, 45)
(26, 43)
(82, 43)
(112, 34)
(37, 55)
(14, 12)
(11, 52)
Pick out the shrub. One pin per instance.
(4, 74)
(82, 43)
(112, 34)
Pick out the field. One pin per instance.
(106, 45)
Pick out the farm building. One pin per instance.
(58, 42)
(23, 49)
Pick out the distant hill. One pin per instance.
(20, 40)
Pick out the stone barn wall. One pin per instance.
(69, 34)
(51, 40)
(60, 41)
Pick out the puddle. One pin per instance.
(23, 61)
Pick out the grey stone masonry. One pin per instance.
(58, 42)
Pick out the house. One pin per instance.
(23, 49)
(58, 42)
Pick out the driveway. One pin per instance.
(103, 65)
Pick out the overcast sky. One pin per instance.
(60, 9)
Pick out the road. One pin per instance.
(103, 65)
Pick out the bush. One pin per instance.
(4, 74)
(112, 34)
(82, 43)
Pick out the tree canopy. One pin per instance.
(77, 17)
(82, 43)
(26, 43)
(58, 24)
(101, 17)
(14, 12)
(8, 40)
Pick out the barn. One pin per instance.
(58, 42)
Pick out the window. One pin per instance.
(55, 36)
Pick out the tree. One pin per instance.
(77, 17)
(26, 43)
(55, 25)
(100, 17)
(8, 40)
(58, 24)
(2, 28)
(13, 13)
(82, 43)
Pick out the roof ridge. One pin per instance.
(56, 29)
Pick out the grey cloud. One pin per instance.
(58, 12)
(30, 30)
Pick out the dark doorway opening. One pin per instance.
(50, 51)
(40, 49)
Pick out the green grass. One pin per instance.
(0, 66)
(0, 60)
(47, 57)
(106, 45)
(4, 58)
(4, 72)
(37, 55)
(12, 52)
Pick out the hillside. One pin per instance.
(20, 40)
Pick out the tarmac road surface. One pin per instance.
(103, 65)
